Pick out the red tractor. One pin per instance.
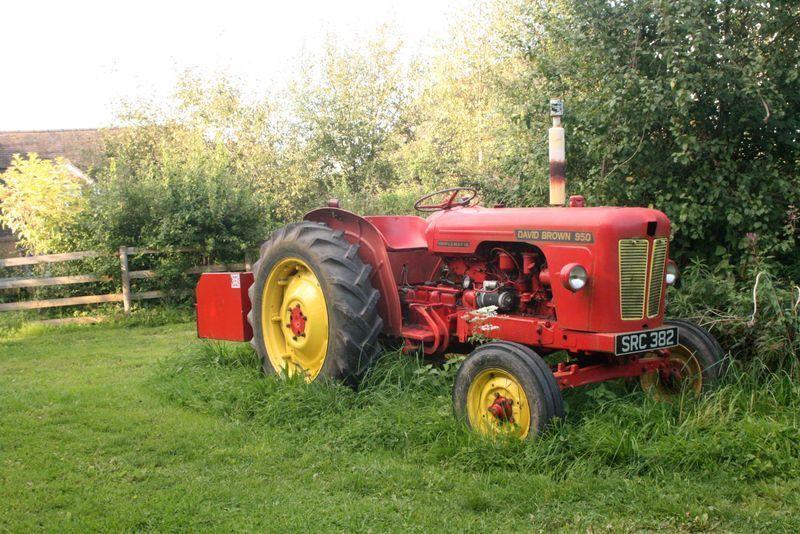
(507, 286)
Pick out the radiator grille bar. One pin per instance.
(657, 263)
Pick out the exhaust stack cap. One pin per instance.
(556, 107)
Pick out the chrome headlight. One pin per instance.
(574, 277)
(671, 273)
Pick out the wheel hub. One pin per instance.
(496, 404)
(682, 370)
(672, 375)
(297, 321)
(502, 409)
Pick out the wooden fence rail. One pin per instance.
(127, 296)
(48, 258)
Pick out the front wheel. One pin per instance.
(696, 363)
(506, 388)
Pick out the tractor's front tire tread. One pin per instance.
(720, 355)
(543, 393)
(710, 355)
(546, 375)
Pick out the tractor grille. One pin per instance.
(657, 262)
(635, 278)
(632, 277)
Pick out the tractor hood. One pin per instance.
(462, 230)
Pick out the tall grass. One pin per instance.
(748, 428)
(754, 313)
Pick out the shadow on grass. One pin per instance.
(747, 428)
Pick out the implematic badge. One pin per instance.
(453, 244)
(560, 236)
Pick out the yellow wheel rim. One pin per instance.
(691, 375)
(486, 397)
(294, 319)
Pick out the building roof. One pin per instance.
(81, 147)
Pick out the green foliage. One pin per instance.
(460, 132)
(40, 201)
(187, 181)
(745, 430)
(690, 106)
(350, 116)
(687, 106)
(398, 200)
(28, 324)
(737, 429)
(754, 314)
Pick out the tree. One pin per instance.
(41, 201)
(457, 133)
(199, 175)
(692, 106)
(349, 114)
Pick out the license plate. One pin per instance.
(646, 340)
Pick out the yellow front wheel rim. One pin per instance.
(683, 361)
(294, 319)
(487, 409)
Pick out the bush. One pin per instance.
(690, 106)
(754, 313)
(41, 200)
(187, 197)
(181, 182)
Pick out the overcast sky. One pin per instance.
(66, 64)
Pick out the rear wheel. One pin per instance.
(506, 389)
(696, 363)
(314, 311)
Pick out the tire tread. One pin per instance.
(352, 299)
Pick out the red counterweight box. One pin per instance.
(223, 305)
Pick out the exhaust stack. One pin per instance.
(558, 166)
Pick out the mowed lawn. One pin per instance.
(146, 428)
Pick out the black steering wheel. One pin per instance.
(451, 201)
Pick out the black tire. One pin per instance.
(706, 349)
(528, 369)
(553, 396)
(351, 301)
(695, 345)
(720, 354)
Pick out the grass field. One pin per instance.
(145, 428)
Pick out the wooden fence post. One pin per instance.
(126, 279)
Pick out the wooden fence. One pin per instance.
(126, 297)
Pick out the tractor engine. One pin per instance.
(512, 281)
(505, 278)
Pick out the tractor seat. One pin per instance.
(401, 232)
